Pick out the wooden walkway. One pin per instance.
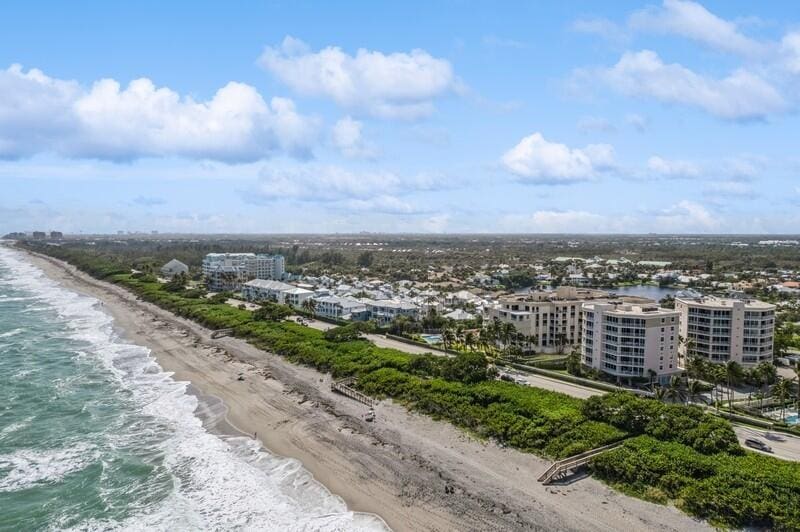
(561, 468)
(343, 387)
(219, 333)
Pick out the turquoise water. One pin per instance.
(95, 436)
(432, 338)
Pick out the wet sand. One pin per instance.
(414, 472)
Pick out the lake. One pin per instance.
(656, 293)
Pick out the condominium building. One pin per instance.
(275, 291)
(627, 340)
(722, 329)
(229, 271)
(551, 318)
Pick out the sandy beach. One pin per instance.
(414, 472)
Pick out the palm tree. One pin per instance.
(659, 393)
(759, 395)
(695, 367)
(718, 377)
(534, 339)
(508, 333)
(796, 368)
(448, 337)
(469, 340)
(674, 389)
(692, 390)
(651, 374)
(783, 389)
(310, 306)
(733, 376)
(688, 346)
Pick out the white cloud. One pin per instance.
(673, 168)
(638, 122)
(397, 85)
(595, 124)
(740, 96)
(347, 138)
(536, 160)
(43, 114)
(685, 216)
(744, 168)
(34, 110)
(601, 27)
(551, 221)
(384, 204)
(693, 21)
(329, 183)
(682, 217)
(790, 48)
(729, 189)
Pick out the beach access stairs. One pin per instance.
(219, 333)
(562, 468)
(344, 387)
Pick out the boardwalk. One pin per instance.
(563, 467)
(344, 387)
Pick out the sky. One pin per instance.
(422, 117)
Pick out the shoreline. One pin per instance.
(396, 468)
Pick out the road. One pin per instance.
(783, 446)
(555, 385)
(379, 340)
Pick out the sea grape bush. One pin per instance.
(673, 452)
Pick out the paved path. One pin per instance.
(555, 385)
(783, 445)
(379, 340)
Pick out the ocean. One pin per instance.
(95, 436)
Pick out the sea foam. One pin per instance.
(219, 482)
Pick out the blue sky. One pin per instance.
(673, 117)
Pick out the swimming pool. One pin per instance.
(792, 419)
(432, 338)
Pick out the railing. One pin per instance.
(573, 462)
(343, 387)
(221, 332)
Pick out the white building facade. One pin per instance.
(229, 271)
(340, 308)
(385, 311)
(275, 291)
(553, 318)
(624, 340)
(723, 329)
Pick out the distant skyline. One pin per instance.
(416, 117)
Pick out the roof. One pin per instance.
(344, 302)
(725, 302)
(459, 315)
(268, 284)
(174, 263)
(388, 303)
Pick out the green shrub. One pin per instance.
(689, 425)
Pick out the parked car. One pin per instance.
(758, 444)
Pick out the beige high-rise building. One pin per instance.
(551, 318)
(627, 340)
(723, 329)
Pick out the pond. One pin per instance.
(656, 293)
